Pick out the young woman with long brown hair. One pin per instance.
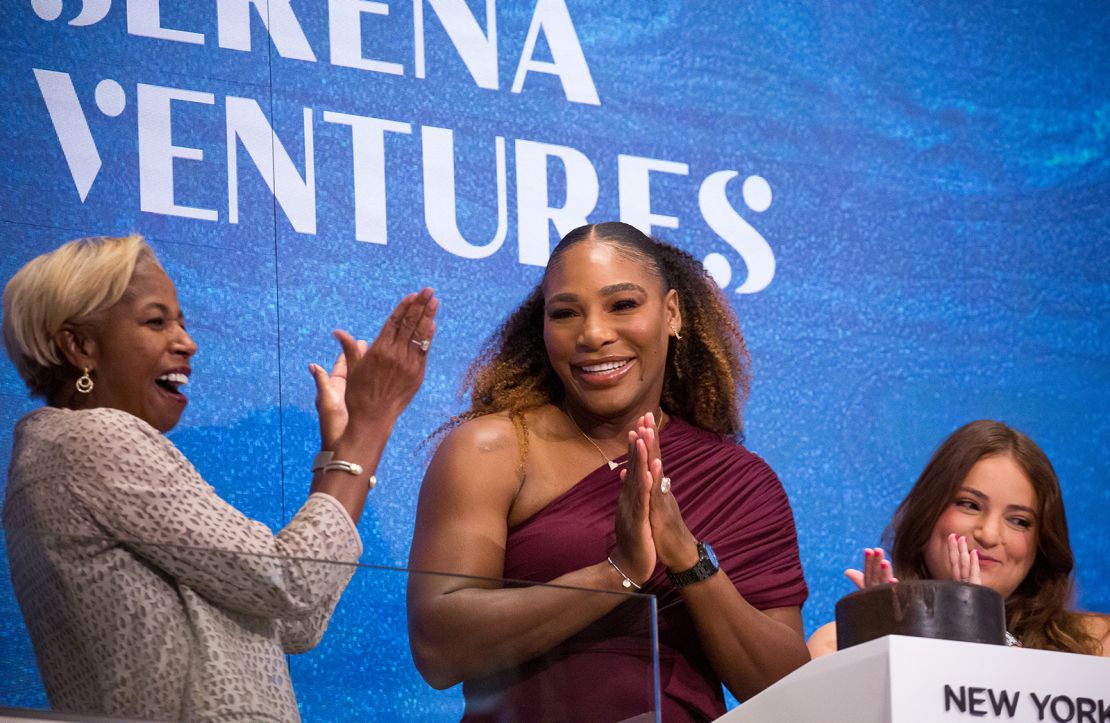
(987, 509)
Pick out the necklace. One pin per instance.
(611, 463)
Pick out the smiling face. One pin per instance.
(996, 509)
(607, 319)
(139, 351)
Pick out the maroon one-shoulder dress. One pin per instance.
(730, 498)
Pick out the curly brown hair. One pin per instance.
(1036, 613)
(707, 373)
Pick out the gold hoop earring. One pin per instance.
(84, 382)
(674, 332)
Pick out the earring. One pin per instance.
(84, 382)
(674, 332)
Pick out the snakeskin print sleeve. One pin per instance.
(138, 487)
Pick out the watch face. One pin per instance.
(710, 555)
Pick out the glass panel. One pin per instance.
(583, 653)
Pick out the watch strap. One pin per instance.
(705, 568)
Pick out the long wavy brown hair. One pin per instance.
(707, 374)
(1037, 612)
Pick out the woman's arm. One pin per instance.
(299, 635)
(823, 641)
(1098, 625)
(749, 649)
(463, 627)
(364, 396)
(876, 571)
(142, 491)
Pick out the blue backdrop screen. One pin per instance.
(906, 204)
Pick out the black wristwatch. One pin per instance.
(705, 568)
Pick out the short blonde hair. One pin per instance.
(68, 286)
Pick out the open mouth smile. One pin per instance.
(171, 383)
(603, 372)
(603, 367)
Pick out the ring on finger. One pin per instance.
(422, 343)
(665, 485)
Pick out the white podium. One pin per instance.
(900, 679)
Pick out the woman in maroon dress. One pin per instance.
(600, 452)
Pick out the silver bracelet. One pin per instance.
(627, 582)
(343, 466)
(321, 459)
(324, 462)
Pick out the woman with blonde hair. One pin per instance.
(987, 509)
(145, 594)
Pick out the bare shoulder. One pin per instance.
(490, 434)
(478, 460)
(823, 640)
(495, 439)
(465, 498)
(1098, 626)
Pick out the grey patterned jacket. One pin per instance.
(145, 594)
